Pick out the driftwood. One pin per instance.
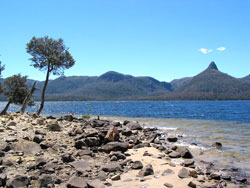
(27, 98)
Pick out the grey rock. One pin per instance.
(113, 167)
(54, 126)
(67, 158)
(27, 147)
(3, 179)
(76, 182)
(167, 172)
(118, 155)
(79, 144)
(38, 139)
(185, 153)
(92, 141)
(18, 181)
(188, 162)
(45, 180)
(183, 173)
(215, 176)
(137, 165)
(146, 171)
(81, 166)
(114, 146)
(102, 176)
(191, 184)
(134, 126)
(174, 154)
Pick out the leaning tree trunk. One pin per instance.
(4, 111)
(43, 92)
(27, 98)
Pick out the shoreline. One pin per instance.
(67, 150)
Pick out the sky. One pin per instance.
(164, 39)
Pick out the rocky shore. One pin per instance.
(77, 153)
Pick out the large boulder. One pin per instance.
(18, 181)
(92, 141)
(115, 146)
(81, 166)
(134, 126)
(185, 153)
(183, 173)
(112, 134)
(45, 180)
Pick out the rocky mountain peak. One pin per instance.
(212, 66)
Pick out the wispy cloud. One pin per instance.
(205, 51)
(221, 48)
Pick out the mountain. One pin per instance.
(246, 79)
(211, 84)
(177, 83)
(109, 86)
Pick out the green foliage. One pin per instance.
(87, 116)
(15, 89)
(49, 55)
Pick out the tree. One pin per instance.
(15, 90)
(49, 55)
(1, 70)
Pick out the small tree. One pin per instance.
(1, 69)
(15, 90)
(49, 55)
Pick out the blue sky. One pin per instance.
(164, 39)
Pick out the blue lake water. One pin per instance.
(203, 122)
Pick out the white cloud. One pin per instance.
(205, 51)
(221, 48)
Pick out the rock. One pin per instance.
(137, 165)
(79, 144)
(226, 177)
(185, 153)
(40, 121)
(10, 139)
(191, 184)
(193, 174)
(113, 158)
(92, 141)
(218, 145)
(168, 185)
(76, 182)
(112, 134)
(68, 118)
(134, 126)
(113, 167)
(38, 139)
(91, 132)
(125, 122)
(84, 152)
(115, 177)
(114, 146)
(4, 146)
(45, 180)
(81, 166)
(118, 155)
(188, 162)
(54, 126)
(102, 176)
(241, 179)
(172, 139)
(146, 171)
(215, 176)
(167, 172)
(126, 132)
(11, 123)
(95, 184)
(183, 173)
(3, 179)
(27, 147)
(67, 158)
(174, 154)
(18, 181)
